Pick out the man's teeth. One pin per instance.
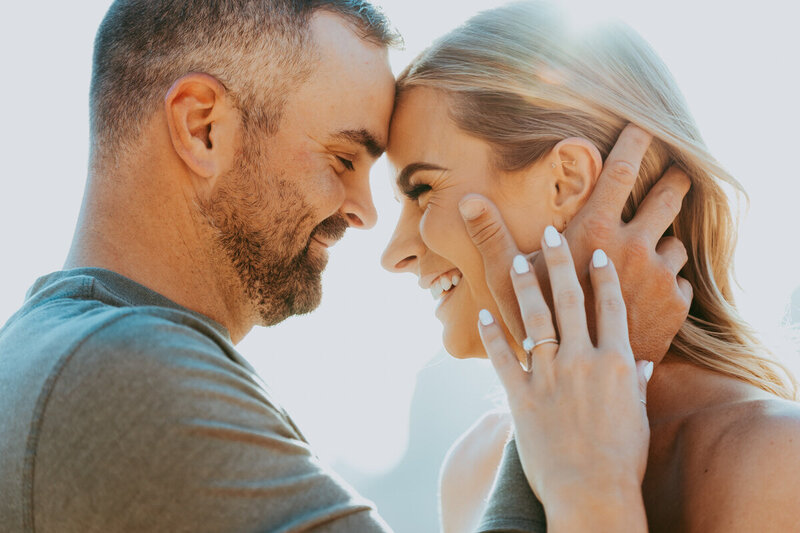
(444, 284)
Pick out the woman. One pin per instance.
(515, 107)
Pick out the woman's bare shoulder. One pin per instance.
(486, 437)
(745, 469)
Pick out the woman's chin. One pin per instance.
(462, 344)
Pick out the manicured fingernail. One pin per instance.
(485, 317)
(527, 344)
(648, 371)
(471, 209)
(551, 237)
(599, 259)
(521, 265)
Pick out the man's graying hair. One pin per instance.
(258, 49)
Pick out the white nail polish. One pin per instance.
(648, 371)
(527, 344)
(599, 259)
(521, 265)
(485, 317)
(551, 237)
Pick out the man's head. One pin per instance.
(275, 111)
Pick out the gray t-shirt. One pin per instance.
(512, 507)
(123, 411)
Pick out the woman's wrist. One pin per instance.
(609, 506)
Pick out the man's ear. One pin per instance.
(203, 125)
(575, 164)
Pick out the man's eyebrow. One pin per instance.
(409, 170)
(363, 137)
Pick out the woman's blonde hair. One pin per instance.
(519, 79)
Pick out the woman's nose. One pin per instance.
(405, 248)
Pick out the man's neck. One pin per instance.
(150, 234)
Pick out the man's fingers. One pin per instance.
(501, 355)
(673, 253)
(686, 290)
(620, 171)
(662, 204)
(488, 232)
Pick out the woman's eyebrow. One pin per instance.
(409, 170)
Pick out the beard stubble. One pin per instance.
(262, 225)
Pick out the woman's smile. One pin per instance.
(437, 164)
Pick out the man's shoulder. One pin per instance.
(149, 334)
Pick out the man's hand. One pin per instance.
(657, 299)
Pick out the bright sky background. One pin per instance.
(347, 371)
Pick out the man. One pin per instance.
(231, 143)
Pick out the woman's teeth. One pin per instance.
(444, 284)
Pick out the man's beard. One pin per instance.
(261, 224)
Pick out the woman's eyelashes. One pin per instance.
(416, 191)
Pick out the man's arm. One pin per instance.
(152, 427)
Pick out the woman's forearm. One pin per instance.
(613, 508)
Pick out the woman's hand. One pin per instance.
(580, 414)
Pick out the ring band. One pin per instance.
(643, 402)
(545, 341)
(528, 345)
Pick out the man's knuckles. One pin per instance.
(621, 172)
(636, 250)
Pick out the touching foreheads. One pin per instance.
(258, 49)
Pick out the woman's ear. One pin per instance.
(203, 125)
(575, 164)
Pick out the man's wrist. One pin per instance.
(607, 507)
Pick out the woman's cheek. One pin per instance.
(433, 229)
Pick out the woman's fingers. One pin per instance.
(491, 237)
(501, 355)
(535, 313)
(567, 292)
(612, 321)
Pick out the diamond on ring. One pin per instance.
(527, 344)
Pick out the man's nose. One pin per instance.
(358, 207)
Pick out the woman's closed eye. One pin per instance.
(416, 191)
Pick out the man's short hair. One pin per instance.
(258, 49)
